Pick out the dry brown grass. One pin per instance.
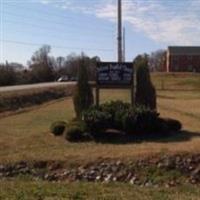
(25, 136)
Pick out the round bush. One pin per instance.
(58, 128)
(173, 125)
(96, 120)
(76, 132)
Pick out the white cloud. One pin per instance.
(165, 22)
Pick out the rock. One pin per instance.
(160, 165)
(130, 175)
(193, 181)
(148, 184)
(133, 180)
(169, 163)
(40, 164)
(189, 160)
(98, 178)
(195, 175)
(108, 178)
(118, 163)
(172, 183)
(2, 168)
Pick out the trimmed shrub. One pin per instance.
(78, 123)
(173, 125)
(76, 132)
(145, 91)
(83, 97)
(119, 118)
(58, 128)
(116, 109)
(97, 120)
(141, 120)
(146, 120)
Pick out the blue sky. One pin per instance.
(90, 26)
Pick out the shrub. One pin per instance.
(83, 97)
(173, 125)
(78, 123)
(119, 118)
(129, 121)
(145, 91)
(146, 119)
(76, 132)
(138, 121)
(116, 109)
(58, 128)
(97, 120)
(141, 119)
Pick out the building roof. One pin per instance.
(184, 50)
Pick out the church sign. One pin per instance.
(114, 74)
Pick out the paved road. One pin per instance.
(34, 86)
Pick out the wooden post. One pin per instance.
(133, 91)
(97, 95)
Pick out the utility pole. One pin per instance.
(119, 38)
(124, 44)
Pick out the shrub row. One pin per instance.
(10, 102)
(75, 131)
(138, 121)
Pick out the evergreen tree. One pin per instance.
(83, 96)
(145, 91)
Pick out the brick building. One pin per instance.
(183, 59)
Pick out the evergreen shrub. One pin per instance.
(145, 91)
(58, 128)
(77, 132)
(83, 96)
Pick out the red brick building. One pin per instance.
(183, 59)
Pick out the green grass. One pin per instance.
(29, 190)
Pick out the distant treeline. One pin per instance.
(45, 68)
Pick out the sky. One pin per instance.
(90, 26)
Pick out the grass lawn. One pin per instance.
(26, 136)
(29, 190)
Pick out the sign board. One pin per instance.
(114, 74)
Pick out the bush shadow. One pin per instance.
(117, 137)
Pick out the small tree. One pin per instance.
(83, 96)
(145, 91)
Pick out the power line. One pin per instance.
(55, 46)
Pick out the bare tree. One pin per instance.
(41, 65)
(157, 60)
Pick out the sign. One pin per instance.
(114, 74)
